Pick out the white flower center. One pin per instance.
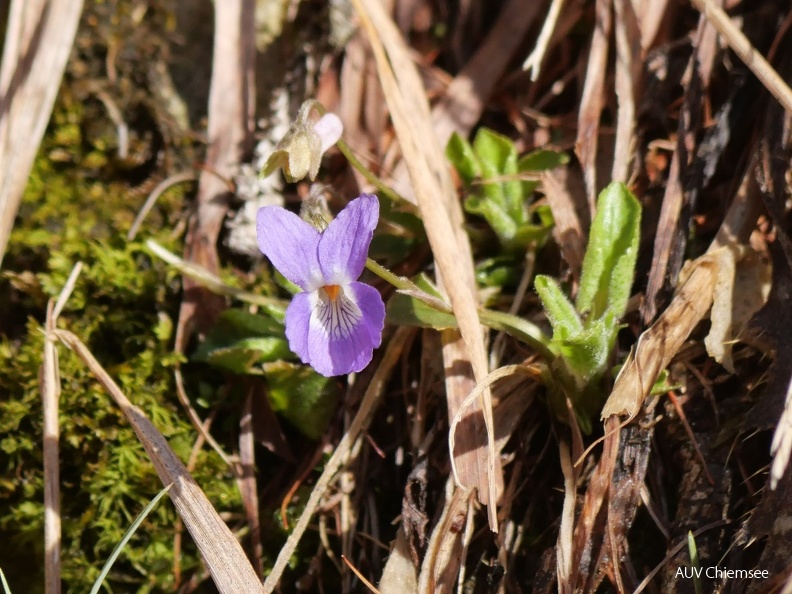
(336, 313)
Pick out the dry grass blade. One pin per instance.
(438, 203)
(231, 110)
(748, 54)
(399, 576)
(592, 101)
(49, 380)
(568, 230)
(246, 481)
(442, 562)
(534, 61)
(223, 555)
(480, 389)
(466, 97)
(587, 538)
(669, 239)
(565, 542)
(158, 191)
(38, 41)
(782, 442)
(662, 340)
(359, 424)
(628, 72)
(360, 576)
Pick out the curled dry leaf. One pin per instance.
(444, 555)
(742, 287)
(399, 576)
(734, 281)
(657, 345)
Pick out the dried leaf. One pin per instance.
(742, 288)
(399, 575)
(662, 340)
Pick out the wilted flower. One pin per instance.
(300, 152)
(335, 324)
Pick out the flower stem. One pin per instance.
(375, 181)
(519, 328)
(345, 149)
(514, 326)
(400, 282)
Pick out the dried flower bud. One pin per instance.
(300, 152)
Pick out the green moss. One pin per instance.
(124, 307)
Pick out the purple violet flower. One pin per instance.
(335, 324)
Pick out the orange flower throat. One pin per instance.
(331, 291)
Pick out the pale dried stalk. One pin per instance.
(747, 53)
(50, 386)
(230, 133)
(696, 79)
(467, 94)
(567, 230)
(782, 442)
(50, 395)
(410, 114)
(482, 388)
(440, 566)
(564, 545)
(592, 101)
(38, 41)
(628, 71)
(399, 576)
(359, 424)
(223, 555)
(534, 61)
(247, 484)
(158, 191)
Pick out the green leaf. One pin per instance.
(505, 226)
(461, 155)
(498, 157)
(497, 272)
(405, 310)
(562, 315)
(246, 355)
(277, 160)
(240, 341)
(529, 233)
(586, 352)
(609, 262)
(305, 398)
(539, 160)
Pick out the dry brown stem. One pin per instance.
(38, 41)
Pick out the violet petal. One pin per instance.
(298, 319)
(329, 128)
(335, 353)
(291, 245)
(344, 245)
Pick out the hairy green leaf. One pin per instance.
(562, 315)
(609, 262)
